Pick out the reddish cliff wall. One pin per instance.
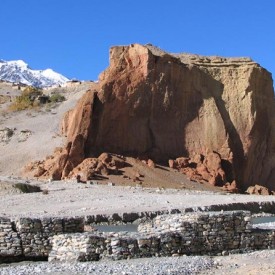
(165, 106)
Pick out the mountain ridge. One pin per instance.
(18, 71)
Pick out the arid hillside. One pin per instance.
(33, 133)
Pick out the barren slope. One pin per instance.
(35, 132)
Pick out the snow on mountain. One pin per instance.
(17, 71)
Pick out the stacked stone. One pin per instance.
(30, 238)
(149, 245)
(75, 224)
(122, 245)
(122, 218)
(52, 226)
(35, 243)
(126, 245)
(10, 243)
(95, 248)
(199, 221)
(170, 235)
(167, 235)
(204, 232)
(264, 239)
(170, 244)
(36, 234)
(77, 247)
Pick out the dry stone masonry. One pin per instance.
(64, 239)
(214, 233)
(26, 238)
(10, 242)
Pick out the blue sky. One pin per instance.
(73, 37)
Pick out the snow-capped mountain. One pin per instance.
(19, 72)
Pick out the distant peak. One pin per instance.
(19, 63)
(48, 70)
(18, 71)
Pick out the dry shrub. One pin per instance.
(26, 100)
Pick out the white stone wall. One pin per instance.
(214, 233)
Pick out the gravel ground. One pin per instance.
(169, 265)
(77, 199)
(254, 263)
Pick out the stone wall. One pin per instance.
(31, 238)
(130, 217)
(198, 223)
(198, 233)
(10, 242)
(168, 235)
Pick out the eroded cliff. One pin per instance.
(162, 106)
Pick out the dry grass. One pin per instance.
(25, 100)
(5, 99)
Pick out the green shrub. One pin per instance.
(57, 98)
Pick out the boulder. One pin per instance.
(212, 163)
(151, 163)
(86, 170)
(102, 169)
(202, 168)
(105, 158)
(231, 187)
(203, 171)
(182, 162)
(197, 158)
(258, 190)
(172, 164)
(39, 172)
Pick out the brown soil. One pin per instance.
(138, 173)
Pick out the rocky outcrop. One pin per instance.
(166, 106)
(88, 169)
(202, 168)
(104, 165)
(258, 190)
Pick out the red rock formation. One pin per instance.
(202, 168)
(231, 187)
(164, 106)
(258, 190)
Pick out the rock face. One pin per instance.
(167, 106)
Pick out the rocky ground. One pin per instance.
(259, 262)
(70, 198)
(176, 265)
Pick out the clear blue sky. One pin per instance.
(73, 36)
